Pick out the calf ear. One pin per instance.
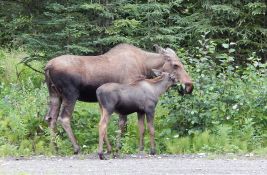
(173, 77)
(156, 72)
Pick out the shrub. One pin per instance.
(224, 94)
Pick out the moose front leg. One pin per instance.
(150, 124)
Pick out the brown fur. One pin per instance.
(70, 78)
(125, 99)
(152, 81)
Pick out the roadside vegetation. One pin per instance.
(222, 45)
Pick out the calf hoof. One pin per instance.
(77, 150)
(115, 156)
(101, 156)
(152, 151)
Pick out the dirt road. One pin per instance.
(135, 164)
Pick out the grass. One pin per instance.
(23, 105)
(12, 71)
(221, 142)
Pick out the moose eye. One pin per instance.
(175, 66)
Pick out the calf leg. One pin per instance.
(102, 132)
(150, 124)
(109, 148)
(65, 117)
(122, 127)
(141, 124)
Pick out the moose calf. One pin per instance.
(140, 96)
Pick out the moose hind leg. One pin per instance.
(52, 115)
(53, 109)
(65, 118)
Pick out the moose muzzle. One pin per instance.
(186, 88)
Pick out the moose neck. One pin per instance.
(154, 61)
(161, 86)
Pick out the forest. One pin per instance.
(222, 44)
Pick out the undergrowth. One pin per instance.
(226, 113)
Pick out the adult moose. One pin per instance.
(70, 78)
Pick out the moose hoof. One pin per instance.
(152, 151)
(48, 119)
(101, 156)
(141, 149)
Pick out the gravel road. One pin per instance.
(135, 164)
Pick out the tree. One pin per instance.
(83, 27)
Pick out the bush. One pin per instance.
(224, 94)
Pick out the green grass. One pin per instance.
(12, 71)
(224, 140)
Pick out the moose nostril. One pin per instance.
(189, 88)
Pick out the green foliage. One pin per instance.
(227, 64)
(51, 28)
(225, 104)
(22, 106)
(22, 126)
(13, 71)
(223, 140)
(224, 94)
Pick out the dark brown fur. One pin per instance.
(141, 97)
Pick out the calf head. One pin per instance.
(171, 78)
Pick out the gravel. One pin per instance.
(135, 164)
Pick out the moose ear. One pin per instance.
(156, 72)
(159, 49)
(170, 51)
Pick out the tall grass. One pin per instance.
(13, 71)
